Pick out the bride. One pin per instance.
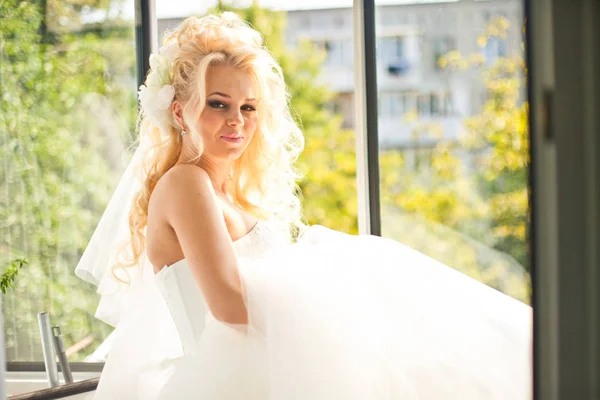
(222, 293)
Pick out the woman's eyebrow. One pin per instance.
(227, 96)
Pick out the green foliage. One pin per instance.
(7, 279)
(498, 137)
(62, 131)
(488, 200)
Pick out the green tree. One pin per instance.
(487, 201)
(498, 140)
(7, 279)
(61, 152)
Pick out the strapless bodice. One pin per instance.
(183, 296)
(262, 238)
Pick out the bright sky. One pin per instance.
(178, 8)
(184, 8)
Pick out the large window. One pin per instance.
(453, 166)
(67, 110)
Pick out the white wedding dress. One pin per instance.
(333, 316)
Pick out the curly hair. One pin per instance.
(263, 178)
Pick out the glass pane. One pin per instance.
(325, 105)
(67, 111)
(315, 50)
(453, 136)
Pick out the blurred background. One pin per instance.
(453, 137)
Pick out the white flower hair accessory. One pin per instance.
(157, 94)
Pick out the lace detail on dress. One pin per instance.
(260, 240)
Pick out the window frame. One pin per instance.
(366, 127)
(564, 94)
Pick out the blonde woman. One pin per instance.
(222, 292)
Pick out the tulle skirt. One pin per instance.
(334, 316)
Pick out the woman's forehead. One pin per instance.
(231, 82)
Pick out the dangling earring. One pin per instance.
(183, 132)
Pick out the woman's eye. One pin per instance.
(216, 104)
(220, 105)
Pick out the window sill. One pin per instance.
(18, 382)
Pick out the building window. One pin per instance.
(334, 107)
(391, 48)
(396, 104)
(424, 105)
(441, 47)
(440, 104)
(494, 49)
(339, 51)
(393, 104)
(436, 106)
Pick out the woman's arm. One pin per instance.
(198, 222)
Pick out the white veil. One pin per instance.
(111, 234)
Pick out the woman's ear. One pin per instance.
(177, 110)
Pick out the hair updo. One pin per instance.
(263, 178)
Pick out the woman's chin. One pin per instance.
(225, 151)
(231, 154)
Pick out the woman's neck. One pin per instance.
(218, 172)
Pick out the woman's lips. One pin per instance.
(232, 138)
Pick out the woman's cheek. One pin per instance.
(251, 124)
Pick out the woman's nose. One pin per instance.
(235, 118)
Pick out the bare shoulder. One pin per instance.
(185, 190)
(185, 177)
(181, 182)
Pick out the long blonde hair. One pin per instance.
(263, 179)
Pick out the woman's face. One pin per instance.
(229, 119)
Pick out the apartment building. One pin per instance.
(412, 36)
